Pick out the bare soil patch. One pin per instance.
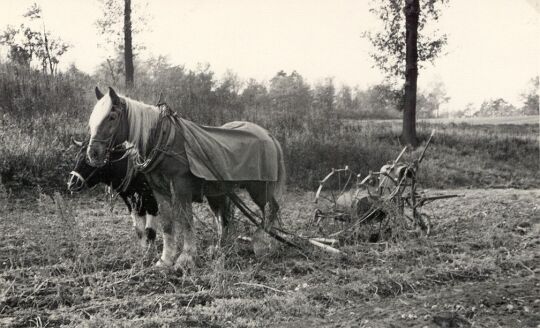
(78, 263)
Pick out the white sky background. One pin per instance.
(493, 45)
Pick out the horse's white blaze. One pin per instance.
(100, 112)
(141, 119)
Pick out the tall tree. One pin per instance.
(128, 45)
(412, 13)
(119, 23)
(401, 48)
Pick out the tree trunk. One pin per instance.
(47, 52)
(412, 12)
(128, 46)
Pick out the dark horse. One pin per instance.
(169, 170)
(135, 193)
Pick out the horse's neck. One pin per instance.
(142, 125)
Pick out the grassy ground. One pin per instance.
(39, 153)
(73, 262)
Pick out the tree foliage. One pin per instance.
(31, 42)
(430, 100)
(531, 97)
(120, 22)
(389, 42)
(496, 107)
(111, 25)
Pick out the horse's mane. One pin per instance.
(142, 118)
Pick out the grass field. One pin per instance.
(501, 120)
(73, 262)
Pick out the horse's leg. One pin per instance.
(168, 222)
(262, 194)
(213, 201)
(150, 207)
(221, 208)
(186, 260)
(150, 228)
(139, 222)
(137, 218)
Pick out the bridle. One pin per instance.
(111, 140)
(77, 182)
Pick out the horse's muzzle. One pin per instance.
(75, 182)
(97, 158)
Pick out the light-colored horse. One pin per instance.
(115, 120)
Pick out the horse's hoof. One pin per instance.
(263, 243)
(185, 262)
(163, 264)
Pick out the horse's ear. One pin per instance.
(99, 95)
(76, 142)
(114, 97)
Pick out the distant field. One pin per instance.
(518, 120)
(515, 120)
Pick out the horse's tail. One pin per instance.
(282, 174)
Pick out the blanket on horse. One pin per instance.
(236, 151)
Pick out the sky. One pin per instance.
(493, 45)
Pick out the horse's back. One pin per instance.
(236, 151)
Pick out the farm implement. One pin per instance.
(386, 198)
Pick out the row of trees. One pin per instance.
(286, 92)
(398, 51)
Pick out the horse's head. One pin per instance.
(83, 175)
(108, 127)
(86, 176)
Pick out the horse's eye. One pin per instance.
(112, 117)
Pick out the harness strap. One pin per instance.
(165, 133)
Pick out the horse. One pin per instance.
(135, 192)
(178, 166)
